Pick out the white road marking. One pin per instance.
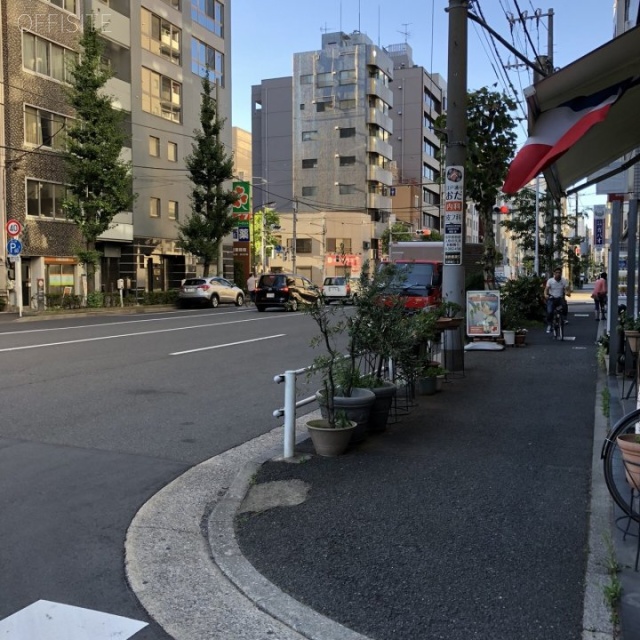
(229, 344)
(123, 335)
(113, 324)
(44, 620)
(581, 315)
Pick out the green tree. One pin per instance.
(271, 223)
(554, 246)
(210, 167)
(397, 232)
(100, 181)
(491, 144)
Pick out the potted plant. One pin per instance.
(629, 444)
(344, 406)
(378, 332)
(427, 382)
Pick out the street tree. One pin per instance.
(100, 181)
(554, 244)
(491, 144)
(210, 169)
(268, 219)
(397, 232)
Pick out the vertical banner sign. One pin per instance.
(242, 205)
(453, 214)
(598, 225)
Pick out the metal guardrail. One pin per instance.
(290, 406)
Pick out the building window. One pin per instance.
(348, 132)
(210, 14)
(347, 161)
(309, 135)
(309, 191)
(339, 245)
(173, 3)
(46, 58)
(68, 5)
(348, 76)
(161, 96)
(306, 78)
(159, 36)
(172, 210)
(154, 207)
(154, 146)
(324, 106)
(347, 104)
(303, 245)
(172, 151)
(44, 199)
(310, 163)
(324, 80)
(44, 128)
(346, 189)
(202, 57)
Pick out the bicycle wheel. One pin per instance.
(616, 471)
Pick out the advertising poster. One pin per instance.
(453, 214)
(483, 314)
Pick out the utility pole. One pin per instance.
(294, 235)
(456, 155)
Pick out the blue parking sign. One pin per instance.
(14, 247)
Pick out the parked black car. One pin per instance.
(285, 290)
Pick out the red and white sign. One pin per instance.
(14, 228)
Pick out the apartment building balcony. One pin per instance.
(378, 201)
(121, 230)
(377, 87)
(120, 91)
(114, 25)
(376, 145)
(378, 174)
(381, 119)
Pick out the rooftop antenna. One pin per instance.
(405, 32)
(325, 29)
(340, 15)
(378, 25)
(359, 31)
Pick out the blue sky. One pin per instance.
(266, 34)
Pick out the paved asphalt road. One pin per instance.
(98, 415)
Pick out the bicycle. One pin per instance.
(621, 475)
(557, 320)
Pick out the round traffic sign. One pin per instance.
(14, 247)
(14, 228)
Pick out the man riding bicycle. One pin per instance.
(556, 292)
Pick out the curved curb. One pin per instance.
(264, 594)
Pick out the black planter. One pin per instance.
(357, 408)
(381, 407)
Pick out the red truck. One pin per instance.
(419, 266)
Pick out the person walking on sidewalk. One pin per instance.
(251, 287)
(556, 292)
(599, 296)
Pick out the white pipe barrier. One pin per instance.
(290, 406)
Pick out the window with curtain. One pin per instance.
(44, 128)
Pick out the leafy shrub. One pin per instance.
(95, 299)
(523, 297)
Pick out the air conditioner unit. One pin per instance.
(399, 113)
(399, 137)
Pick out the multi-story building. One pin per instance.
(158, 51)
(419, 98)
(322, 141)
(353, 130)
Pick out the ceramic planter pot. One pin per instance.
(381, 407)
(426, 386)
(631, 457)
(357, 407)
(509, 337)
(327, 441)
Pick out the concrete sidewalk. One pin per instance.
(482, 513)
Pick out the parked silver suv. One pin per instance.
(340, 289)
(211, 291)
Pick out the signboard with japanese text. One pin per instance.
(453, 214)
(599, 225)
